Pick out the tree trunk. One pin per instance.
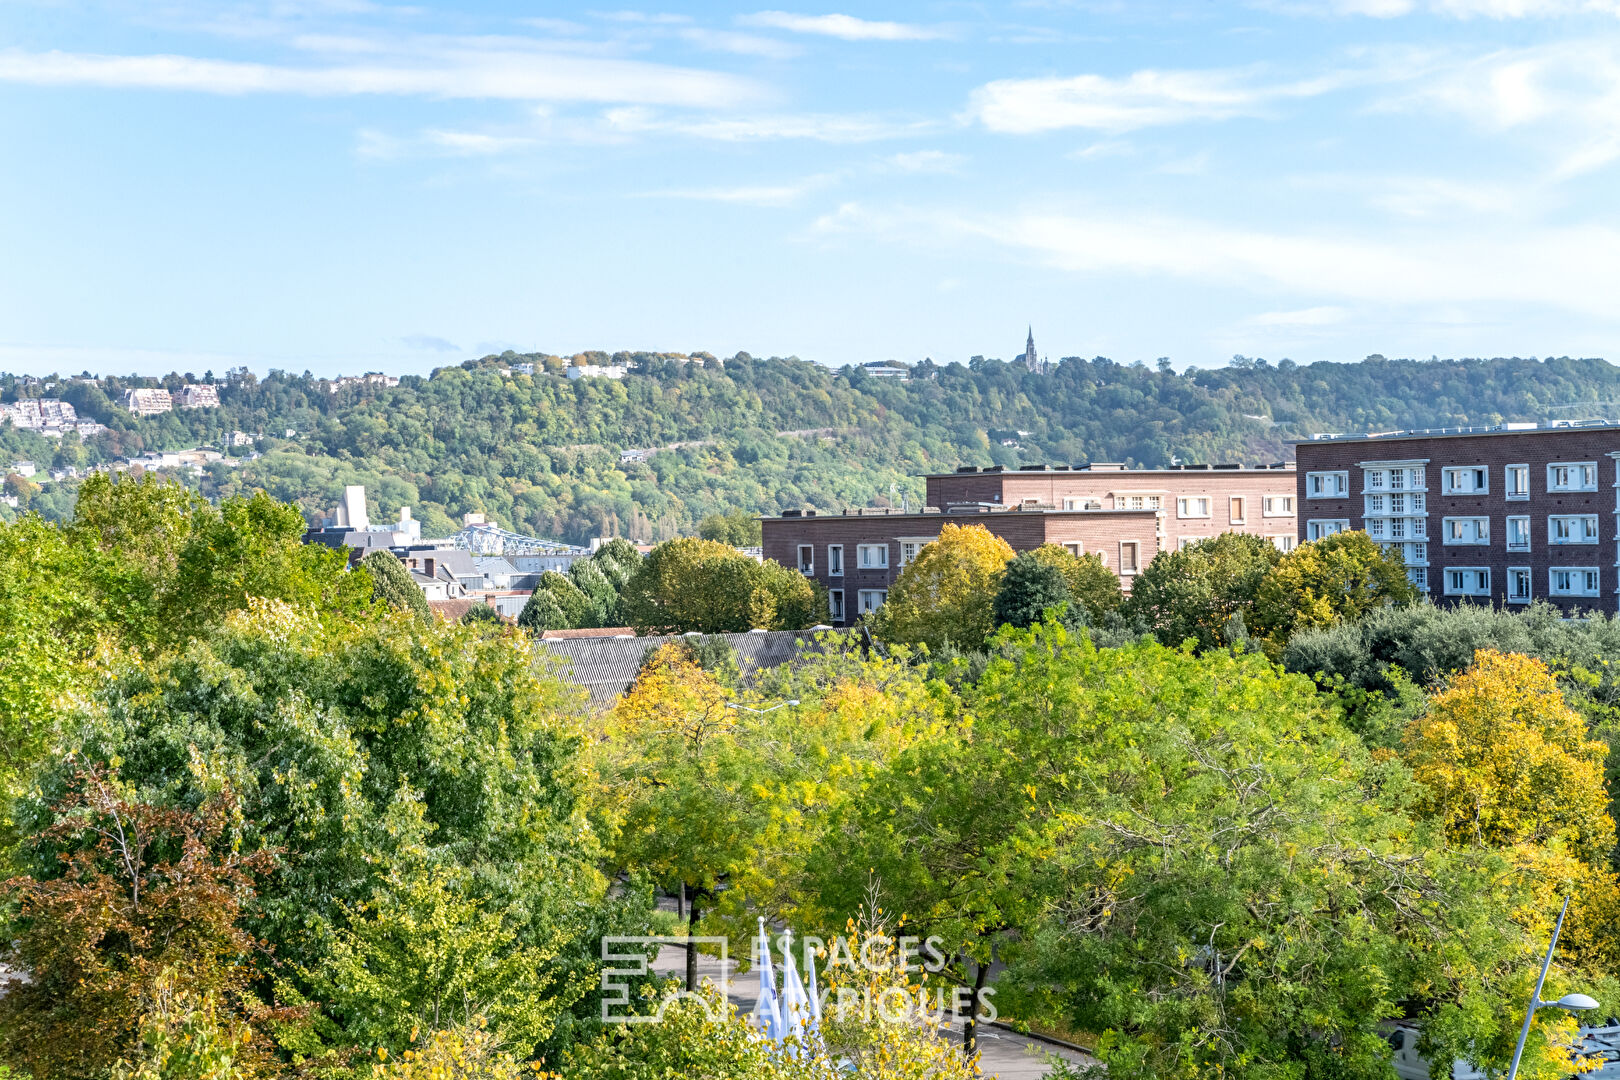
(680, 902)
(691, 946)
(970, 1026)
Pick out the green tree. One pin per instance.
(542, 612)
(738, 529)
(1092, 586)
(1207, 591)
(1340, 577)
(592, 581)
(708, 587)
(947, 593)
(1029, 587)
(393, 585)
(618, 559)
(574, 604)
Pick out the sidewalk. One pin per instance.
(1002, 1054)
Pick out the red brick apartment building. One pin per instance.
(1125, 516)
(1504, 514)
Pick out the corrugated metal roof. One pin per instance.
(606, 666)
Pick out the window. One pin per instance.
(1517, 482)
(1237, 511)
(1192, 507)
(1277, 505)
(835, 604)
(1468, 581)
(1573, 581)
(1466, 530)
(1470, 480)
(1375, 528)
(1327, 485)
(1393, 479)
(870, 600)
(807, 559)
(835, 560)
(1518, 585)
(872, 556)
(1076, 550)
(908, 551)
(1071, 504)
(1419, 576)
(1129, 556)
(1572, 476)
(1185, 542)
(1518, 534)
(1572, 529)
(1137, 502)
(1317, 529)
(1284, 543)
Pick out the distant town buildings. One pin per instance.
(23, 469)
(598, 371)
(370, 378)
(878, 369)
(47, 416)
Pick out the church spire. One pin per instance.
(1031, 361)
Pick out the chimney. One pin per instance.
(428, 567)
(352, 511)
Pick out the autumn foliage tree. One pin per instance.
(131, 906)
(1338, 578)
(945, 594)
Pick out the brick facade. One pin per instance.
(866, 538)
(1195, 502)
(1541, 524)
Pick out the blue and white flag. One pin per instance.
(795, 1002)
(767, 1018)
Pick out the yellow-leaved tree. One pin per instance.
(1505, 763)
(948, 592)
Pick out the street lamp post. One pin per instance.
(1571, 1002)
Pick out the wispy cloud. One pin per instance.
(1457, 9)
(1473, 266)
(817, 127)
(846, 27)
(464, 70)
(754, 195)
(1141, 99)
(1314, 316)
(731, 41)
(925, 161)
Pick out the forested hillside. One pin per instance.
(541, 453)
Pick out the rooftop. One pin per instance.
(955, 510)
(1106, 466)
(1512, 427)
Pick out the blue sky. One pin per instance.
(346, 184)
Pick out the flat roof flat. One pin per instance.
(935, 515)
(1106, 467)
(1515, 427)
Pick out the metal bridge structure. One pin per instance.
(482, 538)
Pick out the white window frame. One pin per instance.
(1335, 484)
(1268, 510)
(807, 560)
(1482, 581)
(1507, 532)
(1475, 474)
(835, 563)
(1130, 571)
(1237, 509)
(1185, 542)
(1075, 548)
(1481, 531)
(1419, 576)
(1591, 584)
(1284, 542)
(1587, 536)
(1508, 487)
(1520, 573)
(1071, 502)
(861, 551)
(863, 601)
(835, 605)
(1319, 527)
(908, 552)
(1183, 502)
(1552, 468)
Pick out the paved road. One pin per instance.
(1002, 1054)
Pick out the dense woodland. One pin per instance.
(541, 453)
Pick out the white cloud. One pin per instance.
(755, 195)
(846, 27)
(818, 127)
(1141, 99)
(452, 71)
(741, 44)
(1315, 316)
(1457, 9)
(1568, 268)
(925, 161)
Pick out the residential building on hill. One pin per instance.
(45, 416)
(1501, 514)
(198, 396)
(856, 555)
(1193, 502)
(147, 401)
(598, 371)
